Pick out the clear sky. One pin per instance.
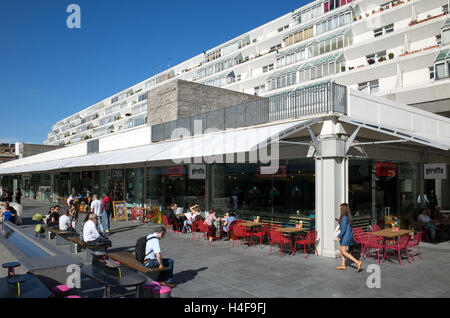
(49, 72)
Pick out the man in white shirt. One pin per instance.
(65, 222)
(97, 208)
(90, 232)
(153, 256)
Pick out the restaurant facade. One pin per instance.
(313, 149)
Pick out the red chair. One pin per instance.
(358, 234)
(241, 232)
(371, 241)
(375, 228)
(273, 227)
(135, 213)
(203, 228)
(416, 242)
(398, 246)
(261, 233)
(310, 238)
(167, 223)
(195, 227)
(279, 238)
(231, 229)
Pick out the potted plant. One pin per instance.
(382, 59)
(371, 61)
(342, 68)
(350, 68)
(391, 56)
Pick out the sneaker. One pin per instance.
(168, 284)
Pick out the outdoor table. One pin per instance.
(30, 287)
(291, 231)
(390, 234)
(11, 268)
(129, 279)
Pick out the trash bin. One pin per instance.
(161, 292)
(148, 288)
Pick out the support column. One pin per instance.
(331, 185)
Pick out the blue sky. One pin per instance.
(48, 71)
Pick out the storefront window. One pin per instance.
(172, 184)
(134, 187)
(379, 188)
(245, 188)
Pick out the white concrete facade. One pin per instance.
(388, 48)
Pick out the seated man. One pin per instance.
(90, 232)
(7, 214)
(172, 218)
(425, 219)
(65, 222)
(53, 219)
(153, 257)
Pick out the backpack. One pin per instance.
(108, 206)
(39, 229)
(141, 244)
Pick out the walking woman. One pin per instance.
(346, 237)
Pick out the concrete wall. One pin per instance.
(181, 99)
(28, 150)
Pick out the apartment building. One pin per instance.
(398, 49)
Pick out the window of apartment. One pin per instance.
(445, 36)
(142, 97)
(431, 69)
(369, 87)
(260, 89)
(441, 71)
(438, 39)
(114, 100)
(267, 68)
(384, 30)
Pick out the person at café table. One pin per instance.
(425, 219)
(228, 221)
(210, 219)
(346, 237)
(172, 217)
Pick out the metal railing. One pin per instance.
(318, 99)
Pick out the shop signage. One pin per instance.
(384, 169)
(267, 172)
(436, 171)
(64, 175)
(116, 174)
(174, 172)
(197, 172)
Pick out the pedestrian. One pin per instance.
(153, 257)
(97, 208)
(346, 237)
(7, 214)
(108, 210)
(18, 196)
(74, 211)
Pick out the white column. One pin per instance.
(331, 185)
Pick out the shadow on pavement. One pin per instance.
(185, 276)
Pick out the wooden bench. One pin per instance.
(129, 260)
(61, 236)
(78, 243)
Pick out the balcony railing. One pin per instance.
(315, 99)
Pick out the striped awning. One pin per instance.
(330, 36)
(283, 72)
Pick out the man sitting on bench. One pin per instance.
(154, 259)
(90, 233)
(65, 222)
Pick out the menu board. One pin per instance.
(120, 211)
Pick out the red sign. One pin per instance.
(386, 169)
(265, 172)
(174, 172)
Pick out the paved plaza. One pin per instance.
(217, 270)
